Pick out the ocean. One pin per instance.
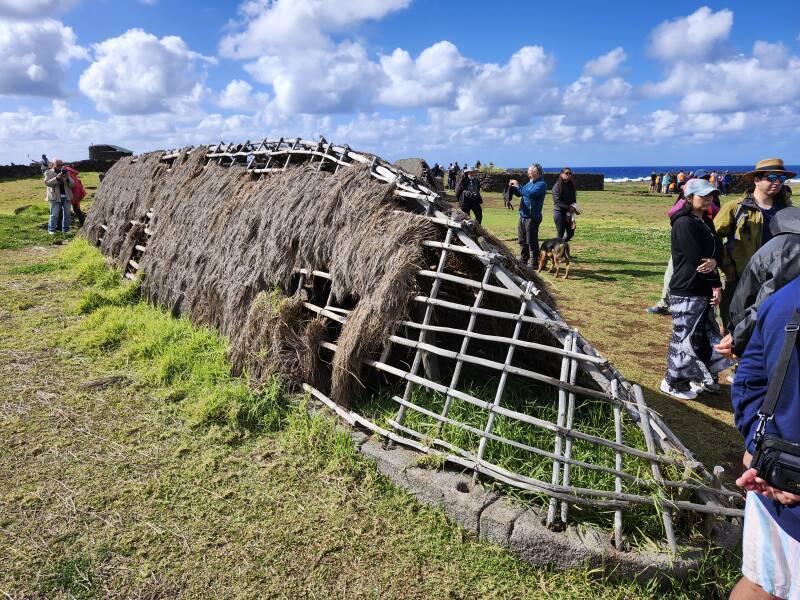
(622, 174)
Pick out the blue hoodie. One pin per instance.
(533, 194)
(750, 387)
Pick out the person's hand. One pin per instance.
(725, 347)
(716, 296)
(707, 266)
(750, 481)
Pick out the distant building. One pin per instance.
(108, 152)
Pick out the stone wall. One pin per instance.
(497, 182)
(27, 171)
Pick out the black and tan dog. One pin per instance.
(556, 251)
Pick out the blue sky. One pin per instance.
(579, 83)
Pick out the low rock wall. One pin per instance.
(497, 182)
(28, 171)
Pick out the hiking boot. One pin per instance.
(657, 310)
(675, 392)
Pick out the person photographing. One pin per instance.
(59, 195)
(532, 196)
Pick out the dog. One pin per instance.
(556, 251)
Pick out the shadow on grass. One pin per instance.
(599, 260)
(609, 274)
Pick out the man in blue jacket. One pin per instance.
(771, 547)
(530, 212)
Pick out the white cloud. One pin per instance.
(607, 64)
(774, 56)
(698, 36)
(34, 9)
(510, 94)
(35, 57)
(338, 78)
(735, 84)
(586, 103)
(238, 95)
(290, 45)
(430, 80)
(136, 73)
(267, 25)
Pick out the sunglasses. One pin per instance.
(567, 173)
(772, 177)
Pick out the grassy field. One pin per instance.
(133, 465)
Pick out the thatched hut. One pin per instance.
(352, 279)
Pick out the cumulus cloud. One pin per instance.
(137, 73)
(238, 95)
(510, 94)
(291, 49)
(585, 102)
(34, 9)
(607, 64)
(770, 77)
(35, 57)
(698, 36)
(339, 78)
(775, 56)
(267, 25)
(432, 79)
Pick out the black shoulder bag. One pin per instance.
(776, 460)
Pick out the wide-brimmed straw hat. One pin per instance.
(470, 170)
(769, 165)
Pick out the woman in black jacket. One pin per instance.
(563, 198)
(692, 362)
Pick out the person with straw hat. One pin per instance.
(744, 225)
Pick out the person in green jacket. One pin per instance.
(744, 225)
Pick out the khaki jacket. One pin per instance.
(740, 225)
(53, 190)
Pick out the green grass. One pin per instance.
(178, 479)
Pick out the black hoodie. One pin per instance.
(693, 240)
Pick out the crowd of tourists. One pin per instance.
(743, 257)
(672, 182)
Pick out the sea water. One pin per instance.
(623, 174)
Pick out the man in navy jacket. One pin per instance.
(771, 548)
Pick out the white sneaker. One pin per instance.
(676, 393)
(700, 387)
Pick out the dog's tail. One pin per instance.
(566, 251)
